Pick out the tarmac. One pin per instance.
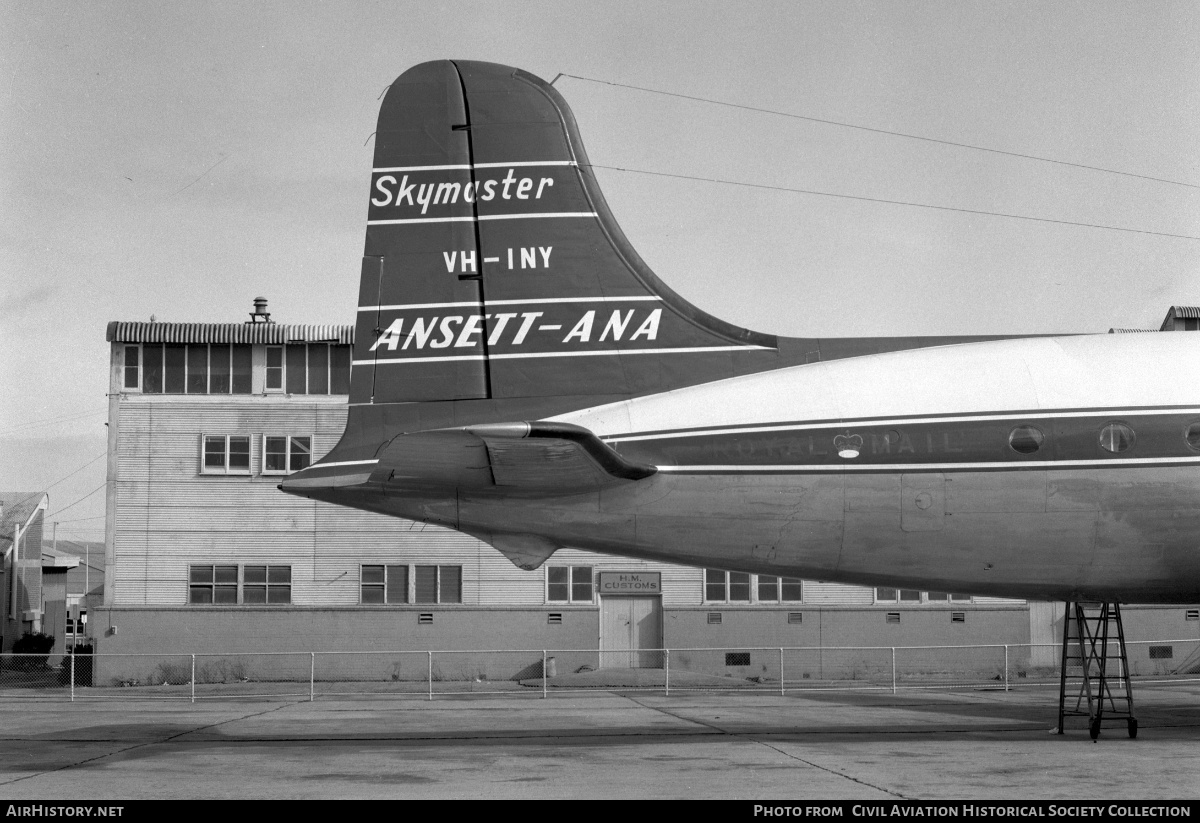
(600, 743)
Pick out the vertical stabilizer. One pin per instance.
(493, 268)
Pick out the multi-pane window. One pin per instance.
(267, 584)
(726, 587)
(255, 585)
(286, 454)
(384, 584)
(773, 589)
(213, 584)
(132, 377)
(196, 368)
(437, 584)
(225, 454)
(569, 584)
(223, 368)
(274, 378)
(888, 595)
(316, 368)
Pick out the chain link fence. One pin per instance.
(541, 672)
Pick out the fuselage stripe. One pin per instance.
(1017, 416)
(910, 468)
(524, 355)
(482, 217)
(345, 463)
(475, 304)
(519, 164)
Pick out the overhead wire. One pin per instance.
(894, 202)
(888, 132)
(77, 502)
(78, 470)
(33, 424)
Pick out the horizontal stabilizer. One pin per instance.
(536, 458)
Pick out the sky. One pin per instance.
(181, 159)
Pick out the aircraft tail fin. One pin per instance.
(493, 268)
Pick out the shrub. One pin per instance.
(32, 644)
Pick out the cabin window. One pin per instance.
(1192, 436)
(1116, 438)
(569, 584)
(1025, 439)
(384, 585)
(225, 454)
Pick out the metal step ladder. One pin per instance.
(1095, 667)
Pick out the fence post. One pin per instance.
(193, 677)
(72, 675)
(1005, 667)
(667, 678)
(782, 688)
(430, 653)
(893, 669)
(312, 675)
(545, 674)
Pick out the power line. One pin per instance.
(77, 502)
(895, 202)
(885, 131)
(78, 470)
(36, 423)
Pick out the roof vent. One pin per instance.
(260, 313)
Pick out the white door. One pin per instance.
(630, 632)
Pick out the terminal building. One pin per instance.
(204, 554)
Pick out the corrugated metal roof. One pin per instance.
(1128, 331)
(1188, 312)
(18, 507)
(269, 333)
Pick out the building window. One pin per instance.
(316, 368)
(437, 584)
(773, 589)
(225, 454)
(286, 454)
(726, 587)
(274, 368)
(213, 584)
(133, 371)
(885, 595)
(259, 585)
(569, 584)
(194, 369)
(267, 584)
(384, 585)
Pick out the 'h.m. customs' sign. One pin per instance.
(630, 583)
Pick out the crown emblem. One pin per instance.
(848, 445)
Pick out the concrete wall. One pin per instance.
(150, 645)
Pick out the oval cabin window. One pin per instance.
(1192, 436)
(1025, 439)
(1116, 438)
